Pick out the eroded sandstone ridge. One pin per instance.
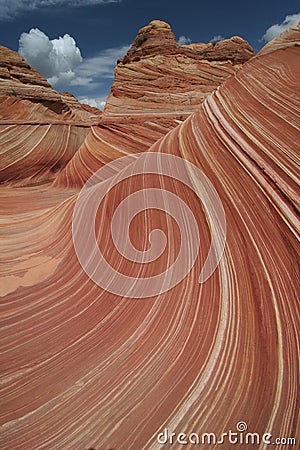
(40, 129)
(85, 368)
(157, 84)
(157, 76)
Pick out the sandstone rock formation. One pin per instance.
(177, 79)
(84, 368)
(40, 129)
(157, 76)
(235, 49)
(20, 81)
(157, 84)
(110, 140)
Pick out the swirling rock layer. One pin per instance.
(158, 76)
(40, 129)
(112, 139)
(35, 153)
(20, 81)
(84, 368)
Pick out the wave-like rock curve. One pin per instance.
(40, 129)
(84, 368)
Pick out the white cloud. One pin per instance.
(92, 101)
(278, 28)
(55, 59)
(183, 40)
(60, 61)
(12, 8)
(216, 38)
(101, 66)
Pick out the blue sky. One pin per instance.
(100, 31)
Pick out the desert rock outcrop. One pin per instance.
(82, 367)
(40, 129)
(157, 76)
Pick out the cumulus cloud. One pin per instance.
(217, 38)
(92, 101)
(183, 40)
(60, 61)
(12, 8)
(278, 28)
(55, 59)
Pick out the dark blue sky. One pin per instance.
(97, 28)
